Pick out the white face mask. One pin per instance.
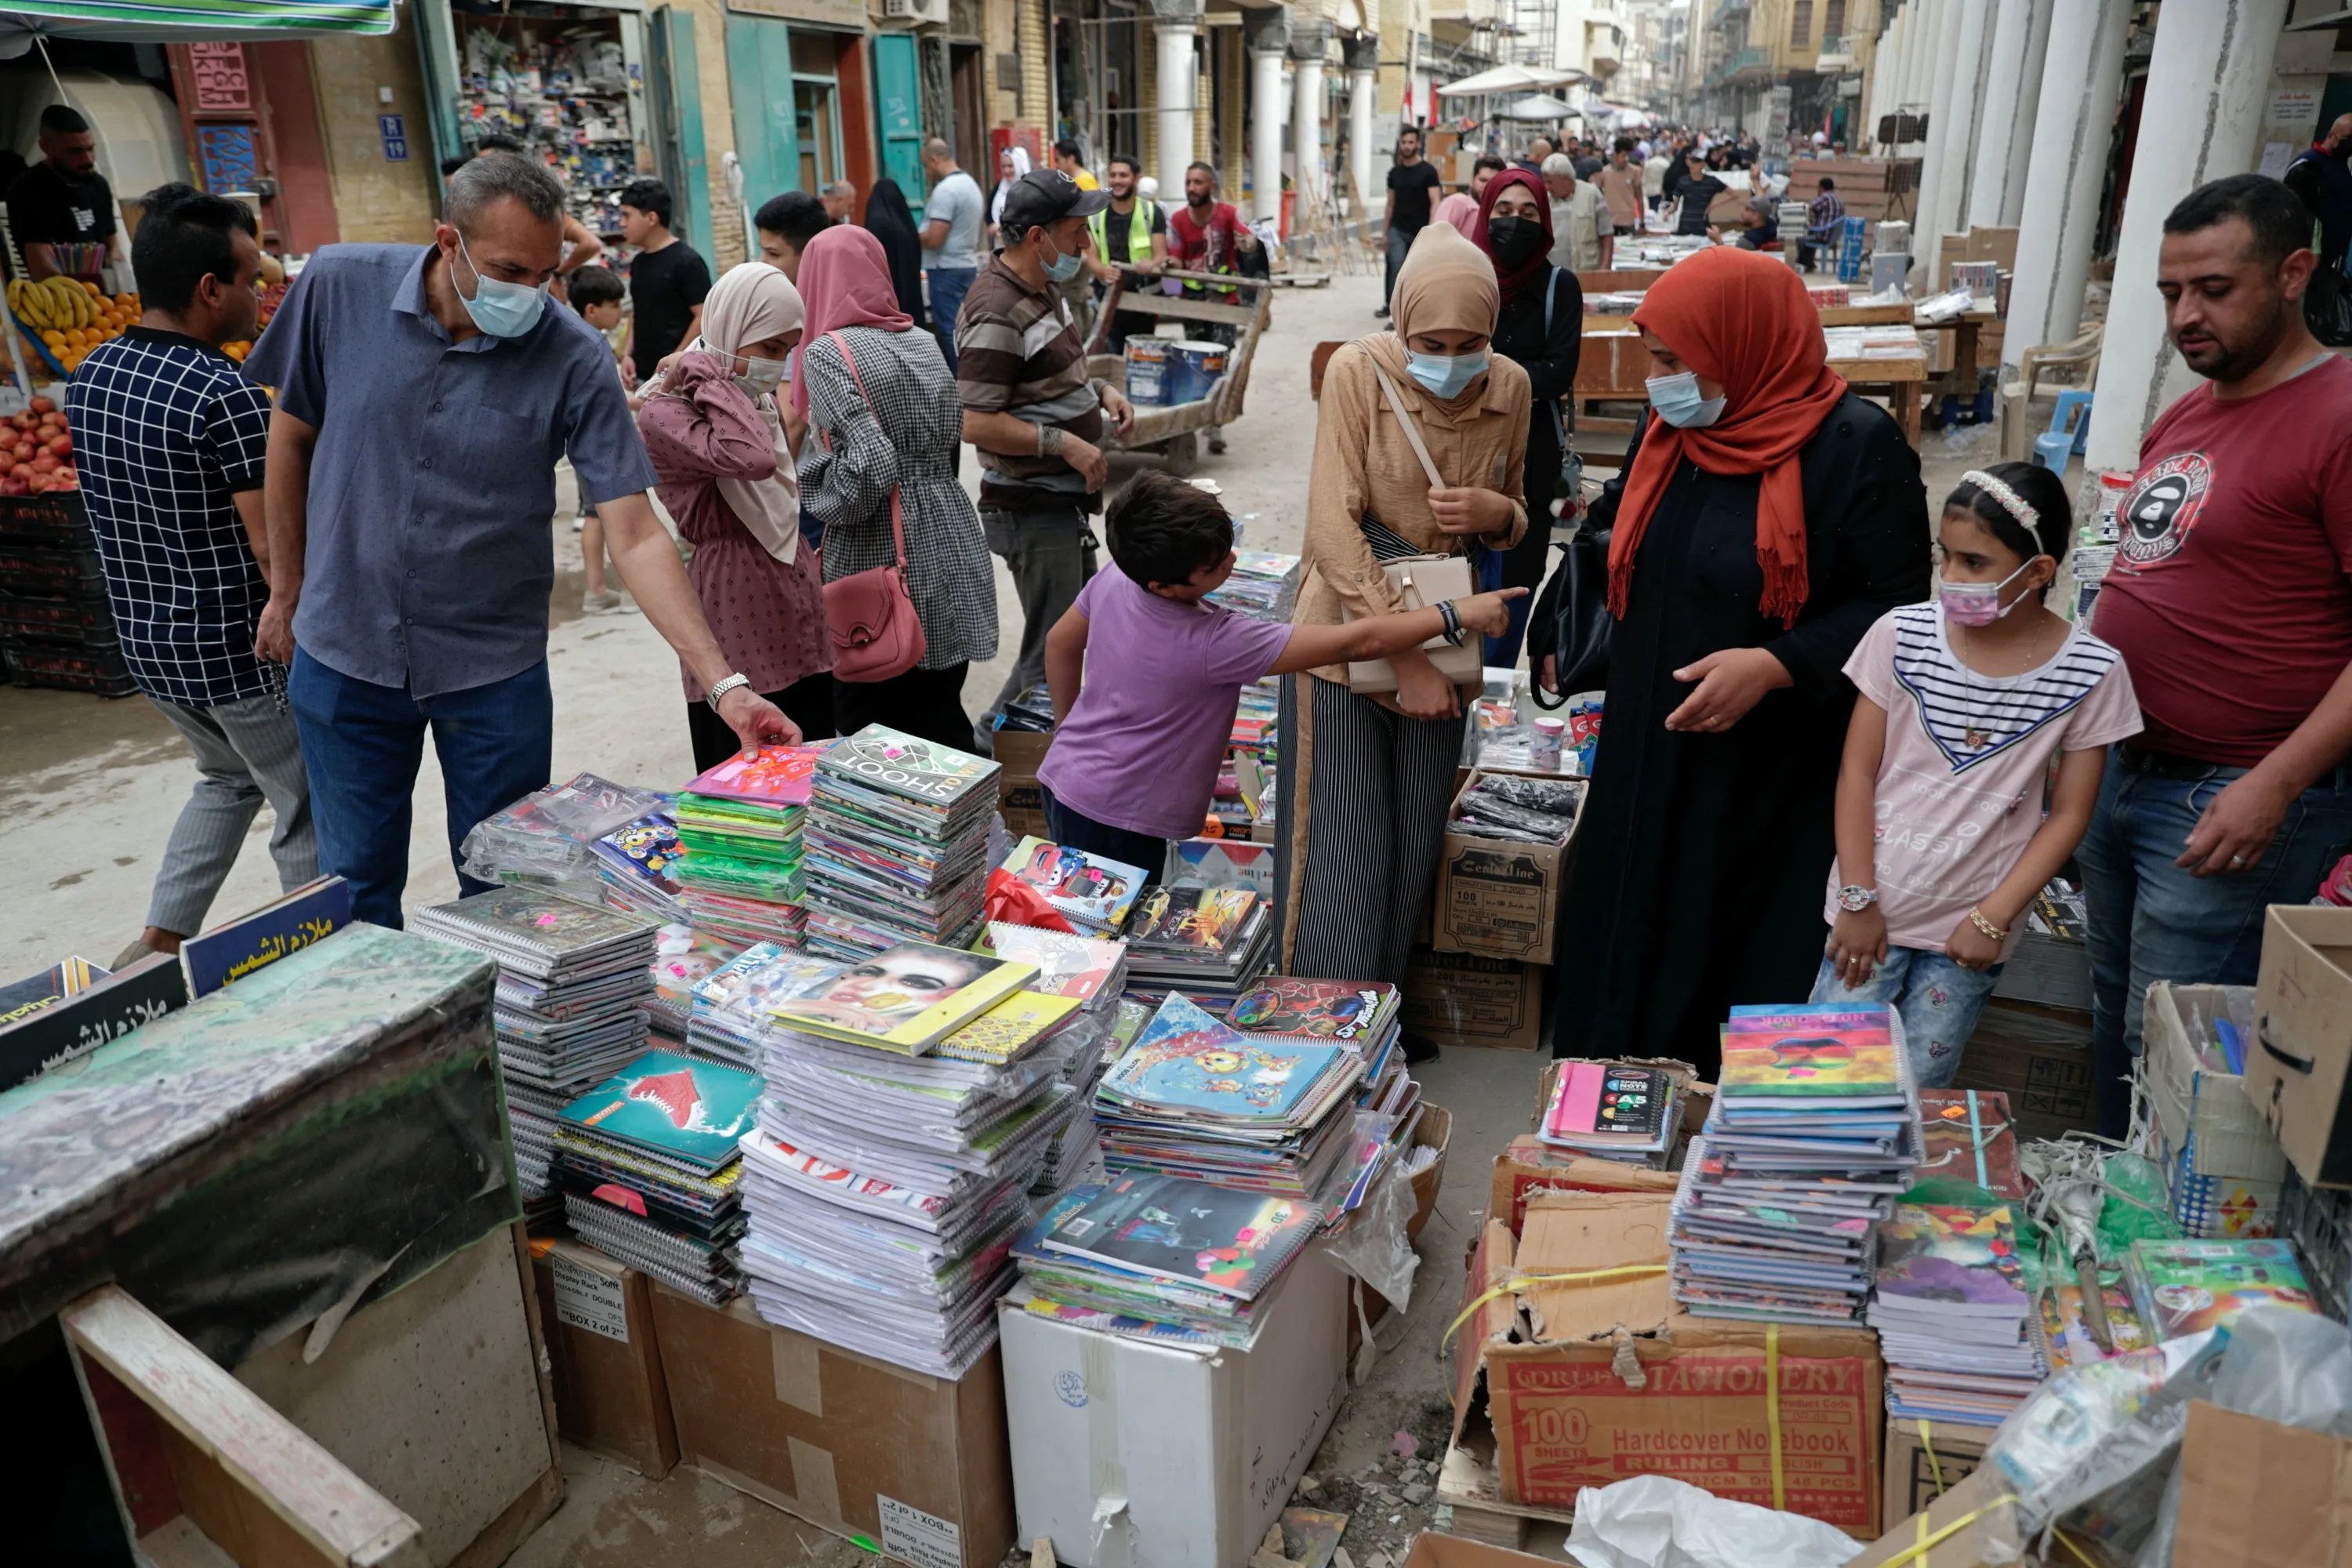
(762, 376)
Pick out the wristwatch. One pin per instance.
(726, 685)
(1854, 900)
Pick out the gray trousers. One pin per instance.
(245, 753)
(1051, 554)
(1376, 802)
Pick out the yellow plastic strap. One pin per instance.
(1772, 1412)
(2082, 1556)
(1927, 1441)
(1513, 1287)
(1917, 1551)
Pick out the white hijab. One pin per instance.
(1020, 157)
(749, 304)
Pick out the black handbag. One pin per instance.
(1571, 622)
(2327, 305)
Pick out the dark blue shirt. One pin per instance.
(165, 433)
(430, 553)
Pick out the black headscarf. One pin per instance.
(890, 220)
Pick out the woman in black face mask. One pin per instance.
(1541, 326)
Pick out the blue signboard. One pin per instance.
(395, 138)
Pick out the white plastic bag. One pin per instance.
(1653, 1522)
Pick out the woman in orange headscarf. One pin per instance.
(1765, 517)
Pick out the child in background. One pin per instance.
(596, 293)
(1965, 701)
(1146, 677)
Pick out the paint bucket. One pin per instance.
(1193, 369)
(1148, 370)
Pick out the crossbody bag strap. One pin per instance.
(898, 523)
(1411, 429)
(1558, 426)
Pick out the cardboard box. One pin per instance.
(2256, 1494)
(610, 1393)
(1018, 753)
(2208, 1121)
(851, 1444)
(1430, 1549)
(1023, 806)
(1464, 999)
(2054, 971)
(1130, 1451)
(1434, 1130)
(2303, 1022)
(1499, 899)
(1973, 1524)
(1528, 1165)
(1586, 1384)
(1920, 1467)
(2039, 1057)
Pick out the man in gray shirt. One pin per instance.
(424, 396)
(953, 215)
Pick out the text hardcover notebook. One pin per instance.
(886, 759)
(75, 1026)
(235, 949)
(1187, 1062)
(1596, 1100)
(907, 999)
(692, 1110)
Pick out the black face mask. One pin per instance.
(1513, 239)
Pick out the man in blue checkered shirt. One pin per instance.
(1824, 220)
(169, 438)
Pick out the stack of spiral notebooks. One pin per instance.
(897, 843)
(740, 825)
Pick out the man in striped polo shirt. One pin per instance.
(1032, 412)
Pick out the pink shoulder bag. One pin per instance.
(869, 615)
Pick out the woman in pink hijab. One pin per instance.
(883, 415)
(722, 452)
(1461, 210)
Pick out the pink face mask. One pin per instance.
(1978, 603)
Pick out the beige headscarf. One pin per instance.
(749, 304)
(1446, 284)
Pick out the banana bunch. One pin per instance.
(52, 303)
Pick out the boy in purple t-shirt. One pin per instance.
(1135, 754)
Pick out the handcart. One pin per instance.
(1173, 430)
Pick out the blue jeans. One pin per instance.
(2151, 920)
(1937, 1000)
(1400, 241)
(361, 745)
(949, 286)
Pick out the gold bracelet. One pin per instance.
(1976, 919)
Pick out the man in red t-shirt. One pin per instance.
(1206, 235)
(2230, 600)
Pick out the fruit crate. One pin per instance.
(76, 623)
(51, 571)
(57, 518)
(2319, 1221)
(100, 671)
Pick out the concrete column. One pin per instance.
(1363, 58)
(1967, 69)
(2081, 85)
(2020, 146)
(1175, 23)
(1269, 40)
(2212, 75)
(1308, 42)
(1942, 78)
(2020, 32)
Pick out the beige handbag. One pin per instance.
(1418, 582)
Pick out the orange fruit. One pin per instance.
(93, 287)
(54, 338)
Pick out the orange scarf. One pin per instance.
(1738, 318)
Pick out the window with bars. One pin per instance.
(1801, 23)
(1834, 19)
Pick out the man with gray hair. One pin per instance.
(840, 199)
(1582, 239)
(424, 394)
(953, 216)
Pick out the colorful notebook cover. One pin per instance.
(1808, 1052)
(1235, 1243)
(760, 976)
(1094, 888)
(646, 848)
(775, 775)
(683, 959)
(1190, 919)
(1067, 965)
(2183, 1287)
(68, 977)
(903, 765)
(694, 1111)
(1006, 1029)
(1959, 1261)
(1313, 1009)
(235, 949)
(1235, 863)
(907, 998)
(1609, 1101)
(2069, 1336)
(1968, 1135)
(1187, 1060)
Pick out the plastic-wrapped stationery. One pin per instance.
(547, 838)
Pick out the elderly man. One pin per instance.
(424, 394)
(1582, 239)
(840, 200)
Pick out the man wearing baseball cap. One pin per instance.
(1032, 412)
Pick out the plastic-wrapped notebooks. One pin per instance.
(896, 843)
(741, 824)
(1961, 1338)
(1211, 943)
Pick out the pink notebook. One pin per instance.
(1576, 1107)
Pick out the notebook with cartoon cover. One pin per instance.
(1341, 1010)
(1190, 919)
(1093, 889)
(1235, 1243)
(693, 1111)
(907, 998)
(1186, 1063)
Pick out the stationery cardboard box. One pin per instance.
(2221, 1162)
(1464, 999)
(915, 1464)
(1971, 1525)
(1528, 1166)
(1496, 898)
(2041, 1057)
(2303, 1021)
(1128, 1451)
(610, 1393)
(2255, 1494)
(1430, 1549)
(1579, 1385)
(1922, 1466)
(1018, 753)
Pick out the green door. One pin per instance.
(898, 113)
(760, 79)
(677, 103)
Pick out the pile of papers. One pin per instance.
(651, 1170)
(1162, 1258)
(741, 824)
(1208, 942)
(1092, 892)
(573, 985)
(1193, 1098)
(1961, 1338)
(1615, 1111)
(1815, 1130)
(897, 843)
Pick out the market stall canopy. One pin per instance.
(184, 21)
(1509, 79)
(1538, 106)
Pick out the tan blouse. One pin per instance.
(1365, 466)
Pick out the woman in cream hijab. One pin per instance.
(1374, 775)
(723, 450)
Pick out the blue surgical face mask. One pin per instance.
(502, 309)
(1062, 268)
(1676, 398)
(1444, 375)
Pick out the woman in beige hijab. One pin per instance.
(723, 452)
(1374, 775)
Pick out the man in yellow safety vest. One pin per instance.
(1131, 230)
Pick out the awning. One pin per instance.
(1536, 106)
(184, 21)
(1509, 79)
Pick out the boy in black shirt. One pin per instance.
(668, 281)
(61, 210)
(1412, 189)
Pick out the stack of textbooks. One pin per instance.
(1815, 1130)
(1961, 1338)
(651, 1167)
(573, 986)
(1211, 943)
(897, 844)
(2182, 1288)
(1194, 1098)
(1614, 1110)
(639, 864)
(741, 824)
(1156, 1256)
(731, 1003)
(1092, 892)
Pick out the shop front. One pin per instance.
(797, 72)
